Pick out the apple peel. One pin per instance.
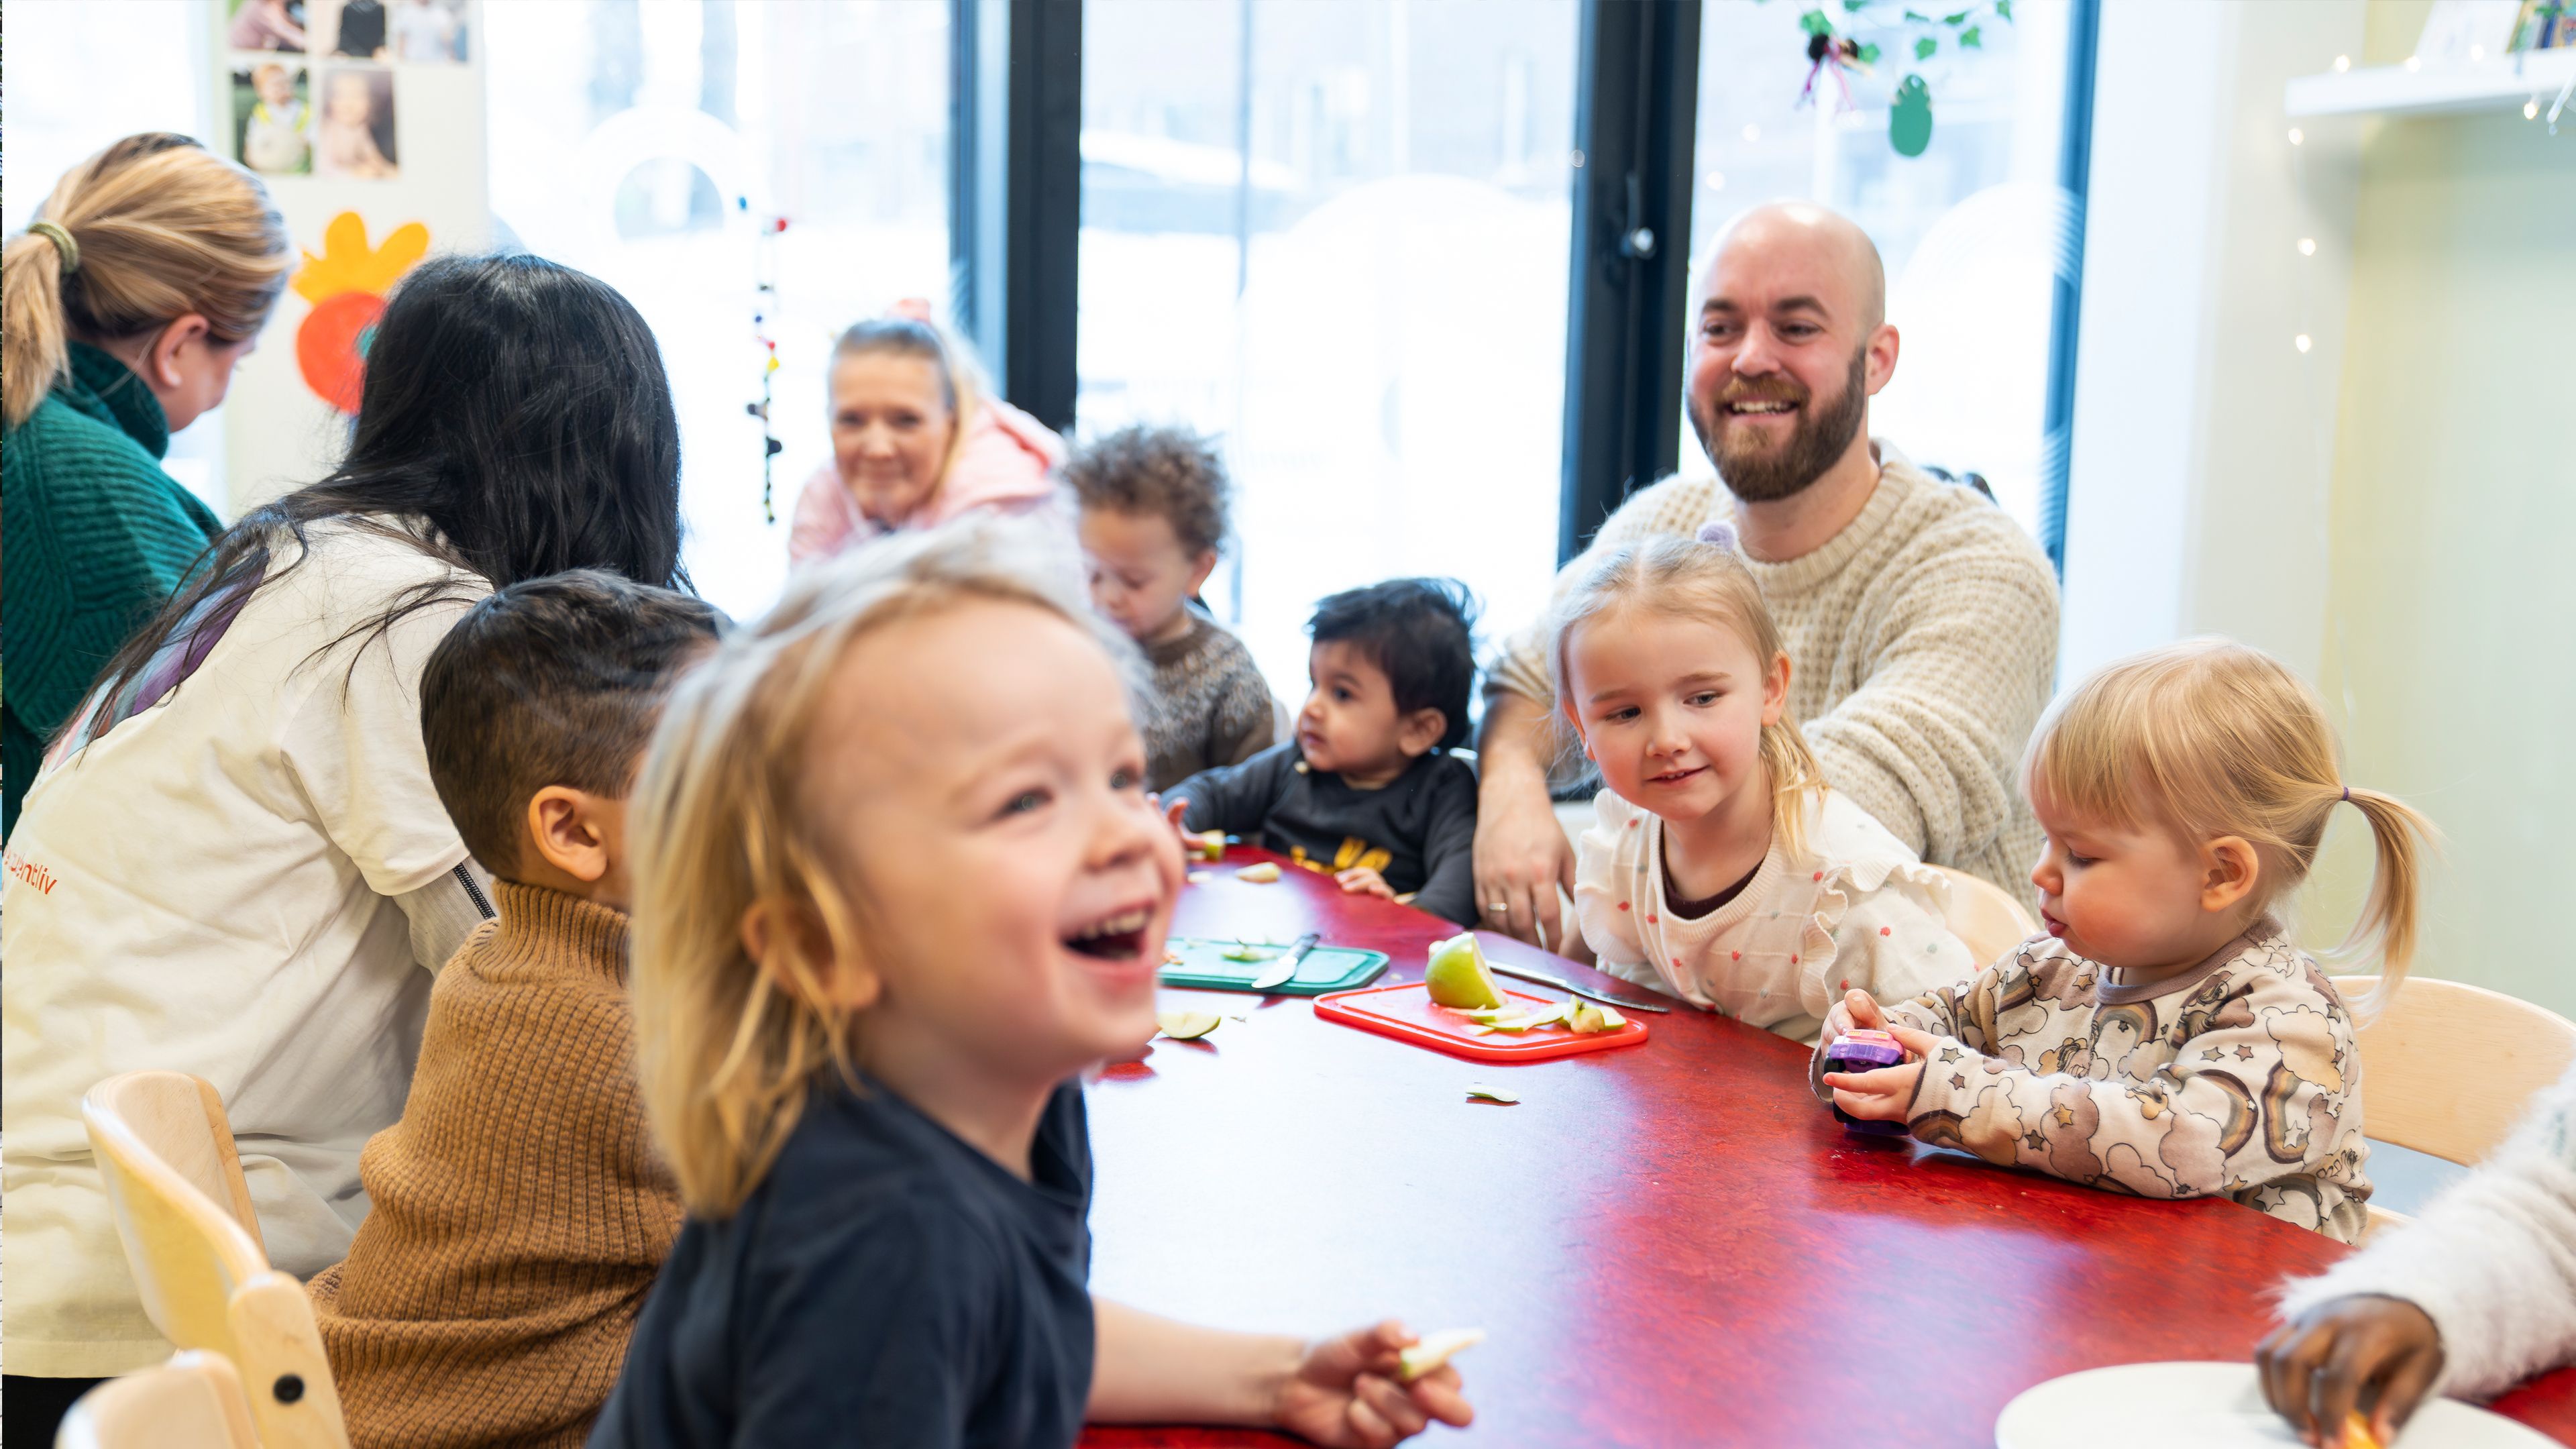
(1484, 1093)
(1262, 874)
(1431, 1352)
(1186, 1025)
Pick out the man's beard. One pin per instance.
(1816, 441)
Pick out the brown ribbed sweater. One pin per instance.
(520, 1214)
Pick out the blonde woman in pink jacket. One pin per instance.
(915, 443)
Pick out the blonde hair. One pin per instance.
(727, 1047)
(158, 227)
(1687, 578)
(961, 377)
(2209, 738)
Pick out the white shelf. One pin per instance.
(2434, 88)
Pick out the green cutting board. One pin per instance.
(1326, 968)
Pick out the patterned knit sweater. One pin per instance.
(1923, 640)
(97, 536)
(520, 1214)
(1210, 705)
(2238, 1077)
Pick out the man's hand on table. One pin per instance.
(1522, 855)
(2315, 1368)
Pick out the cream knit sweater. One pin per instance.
(1923, 646)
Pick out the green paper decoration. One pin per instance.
(1909, 120)
(1909, 116)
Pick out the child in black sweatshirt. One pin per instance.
(1367, 791)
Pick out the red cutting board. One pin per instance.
(1407, 1014)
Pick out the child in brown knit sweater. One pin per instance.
(519, 1212)
(1153, 520)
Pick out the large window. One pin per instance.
(1336, 235)
(1973, 230)
(646, 141)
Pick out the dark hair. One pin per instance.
(1420, 632)
(516, 406)
(1168, 473)
(554, 681)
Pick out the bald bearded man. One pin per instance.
(1921, 622)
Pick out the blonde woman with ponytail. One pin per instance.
(1721, 869)
(2167, 1037)
(123, 309)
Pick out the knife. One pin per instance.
(1568, 987)
(1277, 973)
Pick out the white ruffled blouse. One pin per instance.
(1857, 909)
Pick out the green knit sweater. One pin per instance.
(97, 537)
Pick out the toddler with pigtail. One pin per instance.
(2167, 1037)
(1721, 869)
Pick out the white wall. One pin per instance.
(2447, 643)
(2203, 439)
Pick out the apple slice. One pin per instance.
(1456, 976)
(1186, 1025)
(1436, 1349)
(1262, 874)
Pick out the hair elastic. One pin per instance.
(2347, 794)
(1718, 532)
(62, 241)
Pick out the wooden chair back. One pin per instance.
(2448, 1068)
(1985, 916)
(192, 1401)
(183, 1210)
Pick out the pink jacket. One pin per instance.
(1008, 466)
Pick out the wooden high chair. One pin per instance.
(193, 1401)
(1985, 916)
(184, 1212)
(2447, 1068)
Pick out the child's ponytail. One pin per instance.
(2389, 915)
(1795, 778)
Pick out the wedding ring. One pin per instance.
(1499, 908)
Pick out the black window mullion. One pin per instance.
(2074, 173)
(1635, 110)
(1015, 193)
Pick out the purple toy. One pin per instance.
(1864, 1050)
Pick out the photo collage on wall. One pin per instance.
(316, 84)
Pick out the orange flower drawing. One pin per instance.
(347, 286)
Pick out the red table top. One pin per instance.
(1669, 1244)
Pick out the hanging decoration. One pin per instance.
(1834, 45)
(764, 269)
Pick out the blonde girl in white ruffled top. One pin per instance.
(1722, 870)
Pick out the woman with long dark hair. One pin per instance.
(233, 862)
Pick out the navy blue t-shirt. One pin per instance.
(886, 1285)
